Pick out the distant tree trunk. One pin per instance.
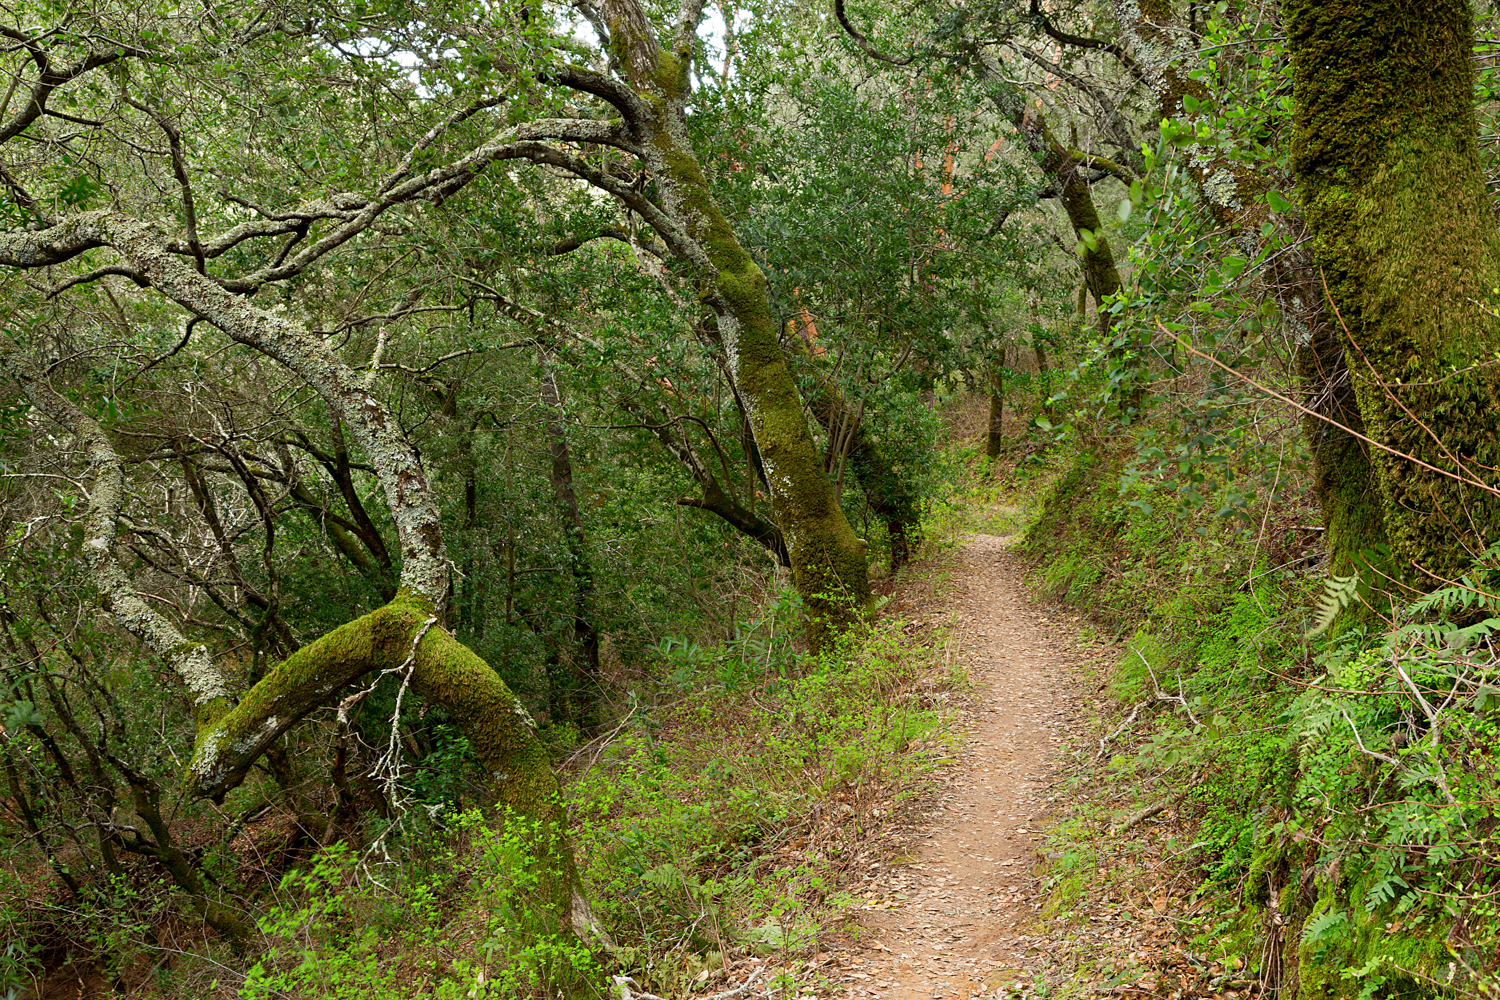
(1067, 171)
(1387, 162)
(585, 636)
(994, 438)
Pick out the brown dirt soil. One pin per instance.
(954, 917)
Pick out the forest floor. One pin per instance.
(962, 912)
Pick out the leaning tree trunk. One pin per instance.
(1387, 164)
(207, 687)
(406, 635)
(829, 564)
(1066, 171)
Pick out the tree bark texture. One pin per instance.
(1386, 158)
(994, 436)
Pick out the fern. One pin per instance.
(1387, 890)
(1338, 591)
(1324, 927)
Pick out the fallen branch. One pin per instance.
(623, 982)
(1136, 819)
(1121, 727)
(1140, 817)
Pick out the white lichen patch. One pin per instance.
(1221, 188)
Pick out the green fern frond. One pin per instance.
(1338, 592)
(1324, 927)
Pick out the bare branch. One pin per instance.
(179, 170)
(1081, 42)
(95, 275)
(402, 168)
(862, 41)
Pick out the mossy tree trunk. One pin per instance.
(230, 739)
(1386, 159)
(1165, 51)
(890, 494)
(1071, 174)
(829, 564)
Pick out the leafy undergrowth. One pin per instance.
(1256, 811)
(714, 826)
(720, 823)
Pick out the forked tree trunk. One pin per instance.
(404, 635)
(1387, 162)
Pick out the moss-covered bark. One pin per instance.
(1165, 49)
(1387, 164)
(500, 732)
(829, 565)
(1077, 200)
(1344, 477)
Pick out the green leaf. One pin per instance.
(1124, 210)
(1277, 202)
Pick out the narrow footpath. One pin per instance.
(968, 922)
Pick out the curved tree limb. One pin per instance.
(864, 43)
(207, 687)
(1082, 42)
(601, 133)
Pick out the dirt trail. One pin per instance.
(969, 922)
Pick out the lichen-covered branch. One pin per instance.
(206, 685)
(424, 568)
